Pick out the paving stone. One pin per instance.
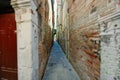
(58, 67)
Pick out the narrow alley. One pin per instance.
(58, 67)
(86, 34)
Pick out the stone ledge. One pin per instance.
(108, 18)
(19, 4)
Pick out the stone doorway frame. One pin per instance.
(27, 39)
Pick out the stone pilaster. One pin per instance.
(27, 40)
(110, 45)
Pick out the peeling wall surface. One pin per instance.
(110, 36)
(110, 51)
(45, 31)
(93, 53)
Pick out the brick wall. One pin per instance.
(45, 34)
(84, 40)
(83, 31)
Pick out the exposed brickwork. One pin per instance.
(84, 34)
(45, 33)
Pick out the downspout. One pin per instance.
(68, 49)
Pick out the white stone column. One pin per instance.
(27, 40)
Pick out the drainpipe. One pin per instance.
(68, 50)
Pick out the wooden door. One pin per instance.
(8, 47)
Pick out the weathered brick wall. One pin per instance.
(45, 34)
(84, 34)
(84, 40)
(63, 26)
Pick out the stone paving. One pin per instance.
(58, 67)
